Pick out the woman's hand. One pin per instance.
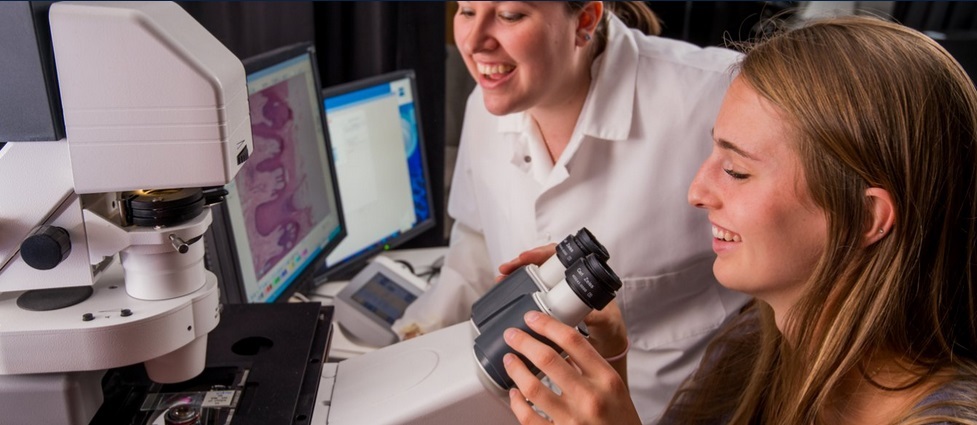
(608, 333)
(536, 256)
(591, 391)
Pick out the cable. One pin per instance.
(408, 265)
(433, 270)
(298, 297)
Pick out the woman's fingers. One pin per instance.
(589, 387)
(523, 410)
(570, 341)
(536, 256)
(543, 357)
(564, 375)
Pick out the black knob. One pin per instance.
(47, 247)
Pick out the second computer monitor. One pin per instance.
(380, 166)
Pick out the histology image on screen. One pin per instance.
(283, 182)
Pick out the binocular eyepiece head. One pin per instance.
(568, 290)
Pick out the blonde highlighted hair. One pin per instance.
(871, 104)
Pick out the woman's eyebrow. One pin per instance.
(730, 146)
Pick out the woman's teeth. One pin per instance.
(724, 235)
(494, 70)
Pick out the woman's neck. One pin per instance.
(557, 121)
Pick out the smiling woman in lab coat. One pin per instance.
(580, 121)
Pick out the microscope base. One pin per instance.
(51, 398)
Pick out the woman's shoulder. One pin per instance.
(666, 52)
(663, 50)
(956, 399)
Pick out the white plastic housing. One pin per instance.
(564, 304)
(35, 189)
(552, 272)
(34, 399)
(151, 99)
(180, 365)
(431, 379)
(61, 341)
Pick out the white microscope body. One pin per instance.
(155, 108)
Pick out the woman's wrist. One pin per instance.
(622, 354)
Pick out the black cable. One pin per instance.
(434, 269)
(408, 265)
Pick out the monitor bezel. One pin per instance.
(222, 249)
(348, 268)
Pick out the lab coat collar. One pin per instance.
(607, 113)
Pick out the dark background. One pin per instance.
(361, 39)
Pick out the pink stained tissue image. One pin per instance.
(282, 185)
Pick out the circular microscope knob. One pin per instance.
(47, 247)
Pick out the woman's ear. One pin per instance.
(882, 215)
(590, 16)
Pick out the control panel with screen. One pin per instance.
(375, 298)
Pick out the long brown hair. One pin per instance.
(871, 104)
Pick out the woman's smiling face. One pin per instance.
(768, 234)
(518, 52)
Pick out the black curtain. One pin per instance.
(250, 28)
(713, 23)
(952, 24)
(354, 40)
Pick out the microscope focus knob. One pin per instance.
(47, 247)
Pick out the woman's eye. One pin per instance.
(735, 175)
(510, 16)
(468, 13)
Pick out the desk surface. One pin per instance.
(342, 347)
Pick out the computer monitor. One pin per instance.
(374, 125)
(282, 214)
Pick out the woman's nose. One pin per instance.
(699, 195)
(479, 36)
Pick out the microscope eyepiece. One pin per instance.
(575, 247)
(592, 281)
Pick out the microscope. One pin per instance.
(455, 374)
(156, 117)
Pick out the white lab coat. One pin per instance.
(642, 134)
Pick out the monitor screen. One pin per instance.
(282, 213)
(374, 125)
